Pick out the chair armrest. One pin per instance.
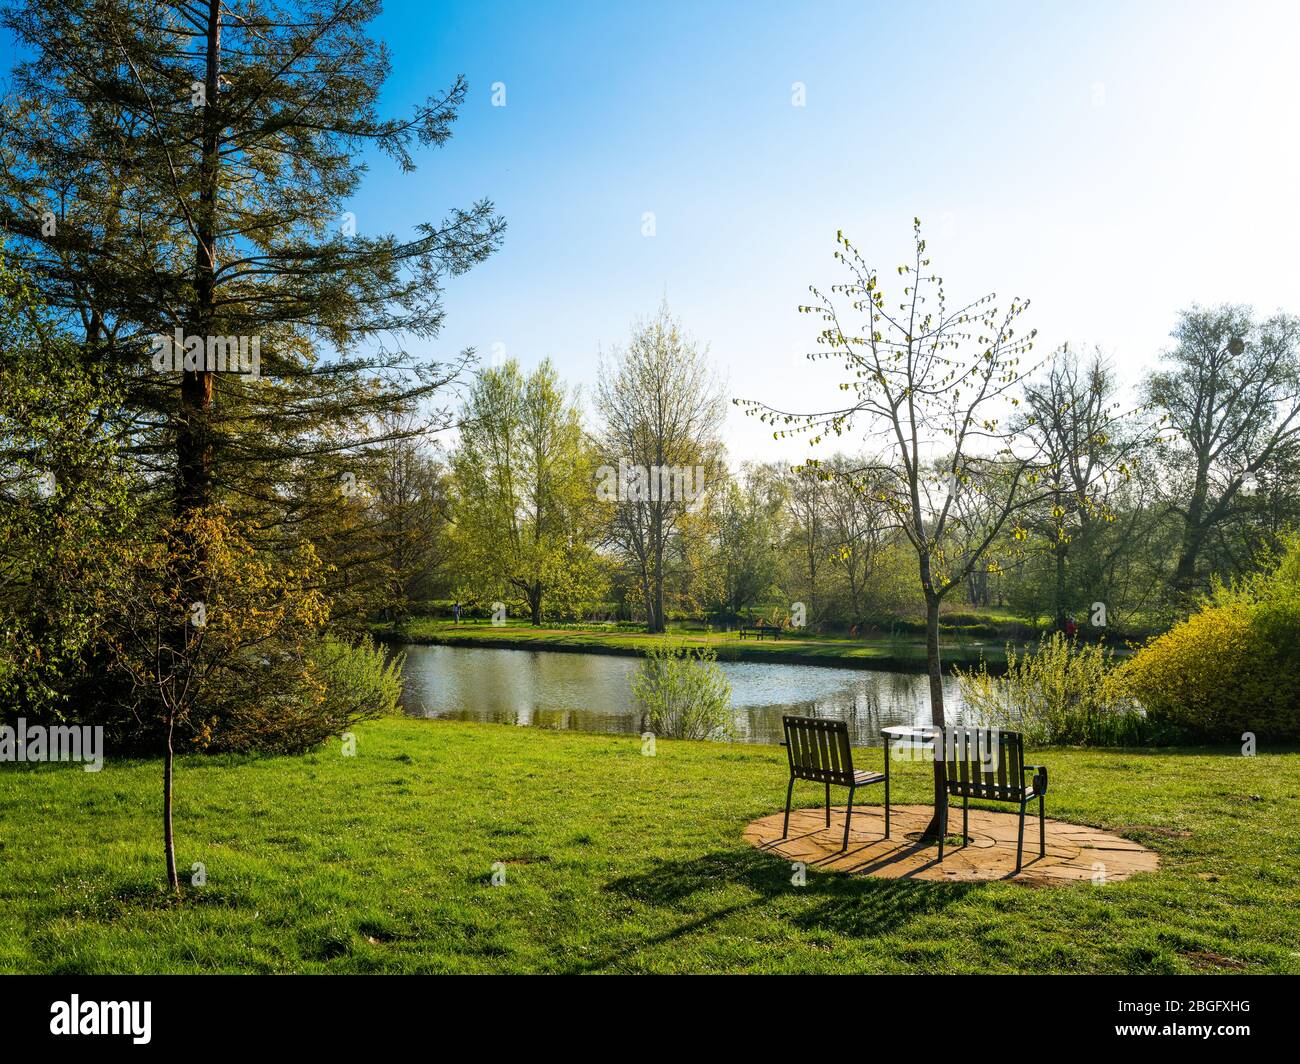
(1040, 773)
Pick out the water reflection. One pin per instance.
(592, 692)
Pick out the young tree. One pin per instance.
(662, 413)
(247, 630)
(1230, 396)
(525, 505)
(932, 389)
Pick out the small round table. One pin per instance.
(913, 737)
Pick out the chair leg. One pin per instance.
(848, 817)
(1042, 830)
(965, 813)
(943, 825)
(1020, 840)
(886, 794)
(828, 805)
(789, 793)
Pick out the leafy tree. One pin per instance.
(1090, 448)
(63, 492)
(746, 541)
(525, 506)
(806, 500)
(1230, 398)
(384, 532)
(662, 413)
(858, 525)
(188, 167)
(412, 492)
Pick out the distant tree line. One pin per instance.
(1129, 510)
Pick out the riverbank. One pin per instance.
(899, 653)
(609, 861)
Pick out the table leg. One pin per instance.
(886, 787)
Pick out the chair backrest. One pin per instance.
(819, 750)
(984, 763)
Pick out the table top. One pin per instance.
(924, 733)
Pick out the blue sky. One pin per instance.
(1111, 161)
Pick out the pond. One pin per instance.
(592, 692)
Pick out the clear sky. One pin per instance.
(1111, 161)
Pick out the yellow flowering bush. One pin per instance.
(1233, 666)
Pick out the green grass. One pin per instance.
(614, 862)
(904, 653)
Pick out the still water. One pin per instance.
(592, 692)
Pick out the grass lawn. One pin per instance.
(614, 862)
(904, 652)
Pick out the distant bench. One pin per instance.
(760, 630)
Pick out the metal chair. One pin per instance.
(989, 764)
(819, 751)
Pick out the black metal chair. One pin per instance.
(989, 764)
(819, 751)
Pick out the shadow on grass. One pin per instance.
(107, 902)
(846, 905)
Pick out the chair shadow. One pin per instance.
(899, 853)
(849, 905)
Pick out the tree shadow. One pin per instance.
(844, 904)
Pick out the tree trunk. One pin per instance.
(194, 436)
(935, 669)
(535, 604)
(1184, 581)
(659, 624)
(169, 839)
(1060, 585)
(648, 590)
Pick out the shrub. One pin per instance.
(361, 681)
(338, 685)
(683, 693)
(1233, 666)
(1063, 693)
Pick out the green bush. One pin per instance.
(1233, 666)
(362, 681)
(683, 693)
(338, 685)
(1065, 693)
